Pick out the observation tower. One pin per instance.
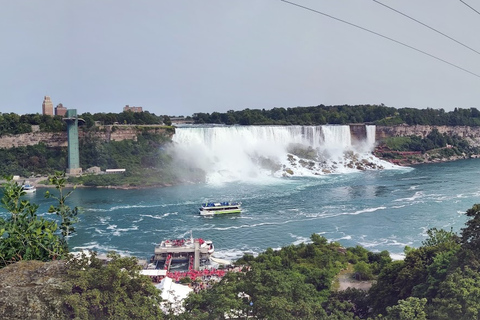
(73, 121)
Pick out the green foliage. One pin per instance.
(348, 304)
(410, 309)
(37, 159)
(385, 292)
(126, 117)
(363, 270)
(24, 236)
(343, 114)
(443, 273)
(11, 123)
(67, 215)
(114, 290)
(147, 162)
(167, 121)
(458, 296)
(434, 140)
(471, 233)
(291, 283)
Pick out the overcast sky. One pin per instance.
(178, 57)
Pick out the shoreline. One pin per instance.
(405, 162)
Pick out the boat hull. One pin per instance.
(29, 190)
(216, 212)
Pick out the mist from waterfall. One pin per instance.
(231, 153)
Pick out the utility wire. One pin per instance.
(423, 24)
(469, 6)
(381, 35)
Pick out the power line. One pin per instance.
(425, 25)
(383, 36)
(469, 6)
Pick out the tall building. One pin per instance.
(133, 109)
(47, 106)
(60, 110)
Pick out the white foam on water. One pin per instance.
(299, 239)
(397, 256)
(416, 196)
(95, 246)
(232, 254)
(118, 231)
(158, 217)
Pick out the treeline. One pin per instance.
(439, 280)
(11, 123)
(344, 114)
(126, 117)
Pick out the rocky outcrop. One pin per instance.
(32, 290)
(471, 134)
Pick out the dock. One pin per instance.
(192, 251)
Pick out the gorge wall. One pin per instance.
(59, 139)
(471, 134)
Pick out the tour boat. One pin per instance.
(28, 188)
(213, 208)
(194, 251)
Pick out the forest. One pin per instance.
(11, 123)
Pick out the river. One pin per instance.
(380, 210)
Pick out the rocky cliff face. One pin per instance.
(471, 134)
(119, 133)
(32, 290)
(33, 138)
(105, 133)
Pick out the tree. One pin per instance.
(458, 296)
(24, 236)
(470, 238)
(409, 309)
(363, 270)
(167, 121)
(67, 215)
(114, 290)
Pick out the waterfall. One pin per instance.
(371, 133)
(231, 153)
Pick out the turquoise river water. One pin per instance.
(380, 210)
